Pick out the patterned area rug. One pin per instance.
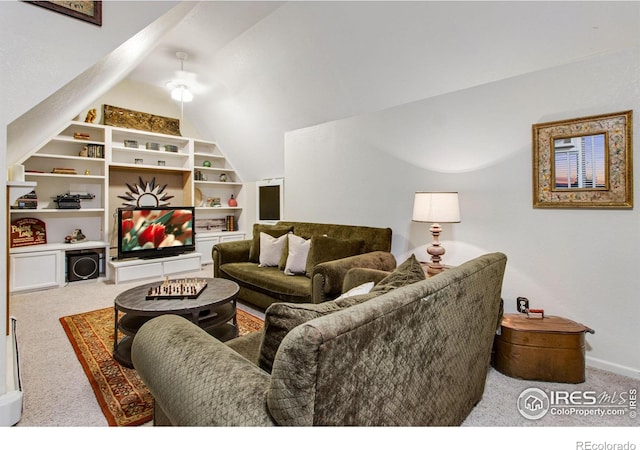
(122, 396)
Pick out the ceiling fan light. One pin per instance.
(181, 94)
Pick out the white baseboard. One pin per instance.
(10, 408)
(612, 367)
(11, 399)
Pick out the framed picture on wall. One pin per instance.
(84, 10)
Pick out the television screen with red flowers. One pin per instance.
(155, 232)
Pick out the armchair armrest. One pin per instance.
(360, 275)
(228, 252)
(327, 278)
(197, 380)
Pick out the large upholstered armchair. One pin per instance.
(408, 353)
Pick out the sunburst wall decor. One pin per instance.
(146, 194)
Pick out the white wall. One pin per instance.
(579, 264)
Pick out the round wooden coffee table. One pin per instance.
(214, 310)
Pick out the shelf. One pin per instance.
(63, 175)
(58, 246)
(145, 151)
(148, 167)
(77, 158)
(70, 139)
(219, 183)
(55, 210)
(218, 208)
(215, 169)
(208, 155)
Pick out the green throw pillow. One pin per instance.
(272, 230)
(408, 272)
(324, 248)
(280, 318)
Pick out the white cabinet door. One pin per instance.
(38, 270)
(204, 245)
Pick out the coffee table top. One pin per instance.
(133, 300)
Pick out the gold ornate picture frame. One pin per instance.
(127, 118)
(88, 11)
(584, 162)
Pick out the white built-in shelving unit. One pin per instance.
(140, 152)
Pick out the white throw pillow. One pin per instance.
(297, 257)
(271, 249)
(362, 289)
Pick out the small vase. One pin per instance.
(232, 201)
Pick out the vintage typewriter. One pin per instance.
(71, 201)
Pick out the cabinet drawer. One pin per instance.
(182, 265)
(137, 272)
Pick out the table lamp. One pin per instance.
(436, 207)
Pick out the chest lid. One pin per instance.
(548, 324)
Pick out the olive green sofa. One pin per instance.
(413, 354)
(334, 250)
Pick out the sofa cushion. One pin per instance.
(297, 252)
(271, 249)
(268, 280)
(271, 230)
(326, 248)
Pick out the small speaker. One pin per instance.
(84, 266)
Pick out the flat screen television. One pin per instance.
(155, 232)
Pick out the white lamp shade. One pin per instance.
(181, 94)
(436, 207)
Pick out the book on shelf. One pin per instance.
(64, 171)
(93, 151)
(231, 223)
(82, 136)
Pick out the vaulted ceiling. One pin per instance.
(259, 69)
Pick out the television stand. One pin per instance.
(139, 269)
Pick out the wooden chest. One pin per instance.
(547, 349)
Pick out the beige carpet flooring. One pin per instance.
(57, 392)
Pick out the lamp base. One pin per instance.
(436, 251)
(434, 268)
